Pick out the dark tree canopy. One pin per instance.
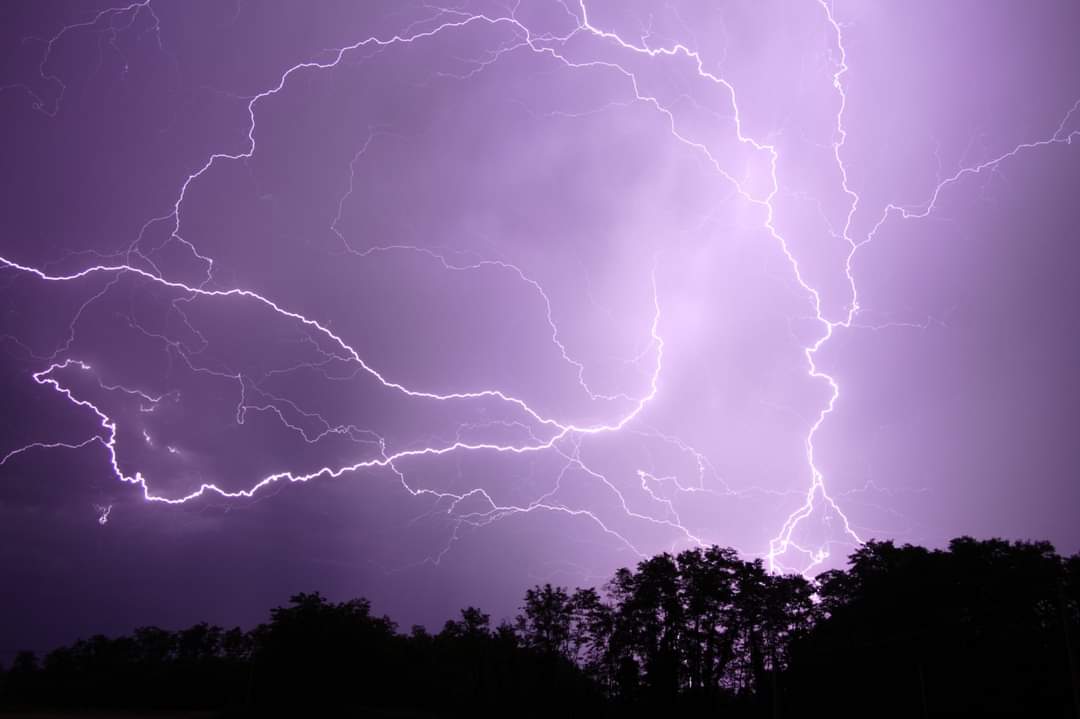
(983, 626)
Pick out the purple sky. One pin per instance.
(523, 293)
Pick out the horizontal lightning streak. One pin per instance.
(557, 434)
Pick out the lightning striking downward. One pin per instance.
(515, 424)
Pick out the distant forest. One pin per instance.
(984, 626)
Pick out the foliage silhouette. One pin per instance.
(982, 626)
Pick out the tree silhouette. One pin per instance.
(981, 626)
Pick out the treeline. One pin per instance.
(984, 626)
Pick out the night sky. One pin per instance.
(431, 304)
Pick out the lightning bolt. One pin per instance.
(561, 437)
